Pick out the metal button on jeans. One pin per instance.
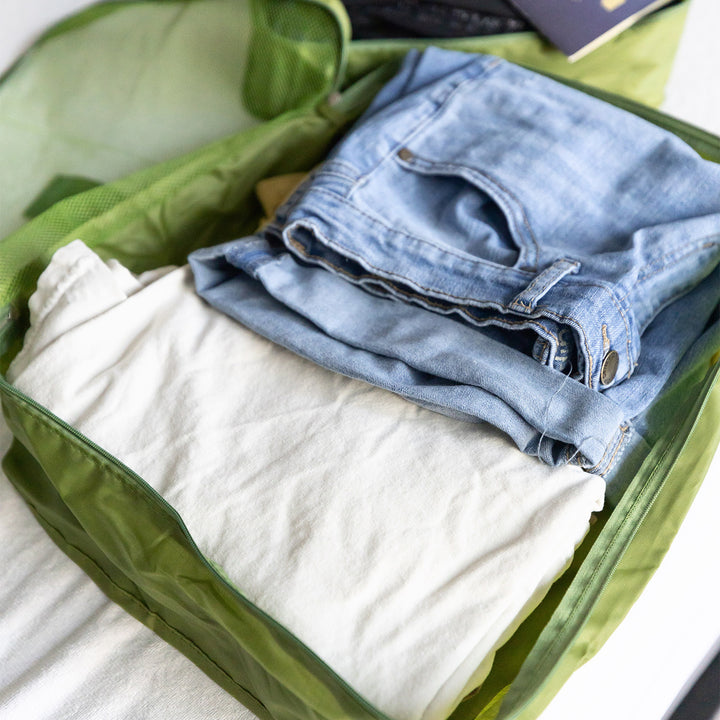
(609, 367)
(405, 154)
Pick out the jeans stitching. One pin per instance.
(453, 308)
(615, 456)
(666, 266)
(339, 161)
(508, 207)
(423, 121)
(490, 266)
(676, 258)
(574, 322)
(334, 173)
(599, 464)
(503, 321)
(544, 287)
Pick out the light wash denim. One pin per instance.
(494, 245)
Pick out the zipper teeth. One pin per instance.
(674, 443)
(8, 317)
(156, 497)
(85, 441)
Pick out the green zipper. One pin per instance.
(156, 498)
(683, 430)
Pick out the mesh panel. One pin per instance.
(156, 216)
(294, 58)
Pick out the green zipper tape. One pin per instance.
(595, 576)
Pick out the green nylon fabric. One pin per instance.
(260, 657)
(125, 85)
(60, 187)
(132, 544)
(628, 551)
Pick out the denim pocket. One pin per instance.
(455, 240)
(473, 212)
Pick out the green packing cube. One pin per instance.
(148, 146)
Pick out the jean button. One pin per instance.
(609, 367)
(405, 154)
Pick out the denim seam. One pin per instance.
(667, 266)
(452, 308)
(676, 258)
(512, 209)
(439, 103)
(605, 346)
(644, 276)
(339, 161)
(616, 447)
(571, 321)
(334, 173)
(477, 322)
(486, 264)
(542, 290)
(619, 306)
(594, 468)
(669, 301)
(489, 265)
(545, 348)
(527, 321)
(616, 455)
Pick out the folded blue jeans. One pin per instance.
(497, 246)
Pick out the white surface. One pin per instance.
(55, 624)
(384, 535)
(644, 667)
(669, 630)
(693, 92)
(67, 652)
(23, 21)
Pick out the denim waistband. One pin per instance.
(590, 220)
(495, 245)
(439, 279)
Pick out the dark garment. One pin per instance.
(376, 19)
(373, 19)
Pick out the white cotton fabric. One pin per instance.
(401, 546)
(68, 653)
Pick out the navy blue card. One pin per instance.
(579, 26)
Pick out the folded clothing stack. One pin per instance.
(401, 546)
(496, 245)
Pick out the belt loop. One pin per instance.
(527, 300)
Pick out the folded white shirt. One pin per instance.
(403, 547)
